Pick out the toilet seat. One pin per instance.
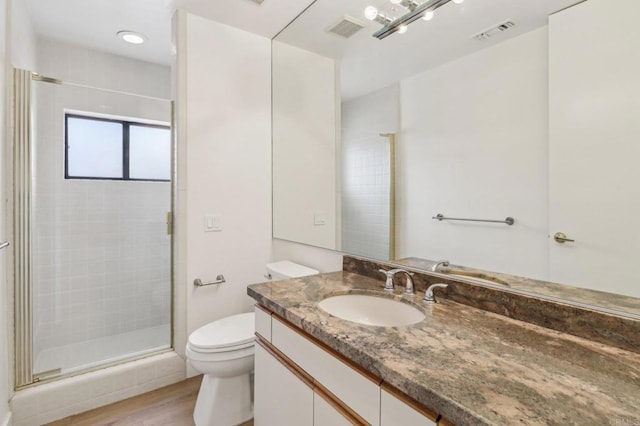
(195, 355)
(232, 335)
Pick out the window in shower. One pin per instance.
(109, 148)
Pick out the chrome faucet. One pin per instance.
(435, 267)
(429, 296)
(389, 286)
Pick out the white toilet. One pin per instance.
(223, 351)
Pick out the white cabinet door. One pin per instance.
(281, 398)
(358, 392)
(324, 414)
(394, 412)
(594, 124)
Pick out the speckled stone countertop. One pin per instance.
(472, 366)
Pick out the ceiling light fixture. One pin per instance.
(407, 4)
(428, 15)
(425, 10)
(131, 37)
(373, 14)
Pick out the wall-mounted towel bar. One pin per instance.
(5, 244)
(219, 280)
(509, 221)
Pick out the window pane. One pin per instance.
(94, 148)
(149, 153)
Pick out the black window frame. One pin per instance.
(125, 147)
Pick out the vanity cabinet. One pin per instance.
(281, 397)
(299, 381)
(358, 391)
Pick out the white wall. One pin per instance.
(306, 117)
(4, 282)
(22, 36)
(224, 120)
(366, 172)
(88, 67)
(474, 144)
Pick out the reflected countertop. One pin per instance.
(595, 298)
(472, 366)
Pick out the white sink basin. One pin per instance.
(371, 310)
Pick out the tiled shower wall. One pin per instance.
(101, 250)
(366, 179)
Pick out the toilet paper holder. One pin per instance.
(219, 280)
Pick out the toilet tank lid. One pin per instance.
(226, 332)
(287, 268)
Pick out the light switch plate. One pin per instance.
(212, 223)
(319, 219)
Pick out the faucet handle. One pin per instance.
(409, 289)
(388, 285)
(429, 296)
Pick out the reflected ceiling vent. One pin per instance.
(346, 27)
(488, 33)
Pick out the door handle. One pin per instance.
(561, 238)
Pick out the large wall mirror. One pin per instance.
(489, 110)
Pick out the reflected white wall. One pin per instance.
(306, 115)
(489, 112)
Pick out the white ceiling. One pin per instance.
(94, 23)
(367, 63)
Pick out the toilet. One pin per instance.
(223, 352)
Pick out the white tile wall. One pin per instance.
(366, 179)
(101, 252)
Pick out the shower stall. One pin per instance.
(92, 184)
(368, 142)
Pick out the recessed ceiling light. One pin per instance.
(132, 37)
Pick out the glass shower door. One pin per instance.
(101, 251)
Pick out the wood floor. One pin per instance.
(169, 406)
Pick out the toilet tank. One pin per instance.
(287, 269)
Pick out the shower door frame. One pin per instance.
(20, 199)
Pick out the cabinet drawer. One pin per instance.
(360, 393)
(263, 323)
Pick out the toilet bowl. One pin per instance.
(223, 352)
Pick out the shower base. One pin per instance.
(106, 350)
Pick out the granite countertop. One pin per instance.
(472, 366)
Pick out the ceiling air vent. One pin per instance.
(346, 27)
(490, 32)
